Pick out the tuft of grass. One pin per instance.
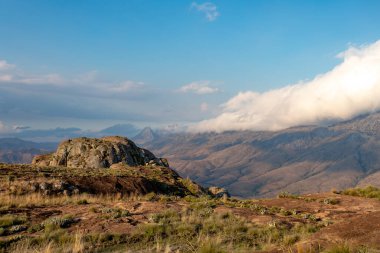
(57, 222)
(150, 196)
(191, 186)
(287, 195)
(342, 248)
(346, 248)
(211, 247)
(11, 220)
(82, 202)
(113, 213)
(331, 201)
(367, 192)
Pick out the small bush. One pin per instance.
(331, 201)
(114, 213)
(367, 192)
(58, 222)
(287, 195)
(286, 212)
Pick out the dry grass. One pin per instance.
(37, 199)
(367, 192)
(197, 228)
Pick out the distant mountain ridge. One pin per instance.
(146, 135)
(262, 164)
(14, 150)
(58, 134)
(368, 124)
(121, 130)
(259, 164)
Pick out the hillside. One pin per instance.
(261, 164)
(13, 150)
(109, 195)
(60, 209)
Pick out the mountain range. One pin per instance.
(13, 150)
(302, 159)
(58, 134)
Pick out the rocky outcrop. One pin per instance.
(218, 192)
(120, 178)
(99, 153)
(78, 167)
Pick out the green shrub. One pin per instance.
(331, 201)
(166, 217)
(54, 223)
(287, 195)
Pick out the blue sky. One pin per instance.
(95, 63)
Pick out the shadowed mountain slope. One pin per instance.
(13, 150)
(300, 160)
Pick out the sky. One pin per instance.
(213, 66)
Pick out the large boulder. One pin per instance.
(99, 153)
(218, 192)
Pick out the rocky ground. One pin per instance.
(162, 223)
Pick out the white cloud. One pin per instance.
(4, 128)
(90, 96)
(199, 87)
(40, 79)
(204, 107)
(351, 88)
(126, 86)
(209, 9)
(4, 65)
(6, 78)
(12, 75)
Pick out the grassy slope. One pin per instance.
(32, 222)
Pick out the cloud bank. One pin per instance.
(90, 98)
(349, 89)
(209, 9)
(4, 65)
(199, 87)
